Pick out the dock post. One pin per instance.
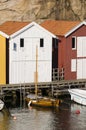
(85, 85)
(20, 96)
(52, 90)
(2, 93)
(24, 96)
(69, 86)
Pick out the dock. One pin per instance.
(56, 87)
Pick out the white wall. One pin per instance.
(81, 55)
(23, 60)
(81, 46)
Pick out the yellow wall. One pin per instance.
(2, 60)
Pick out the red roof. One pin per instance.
(11, 27)
(58, 27)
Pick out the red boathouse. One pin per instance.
(71, 47)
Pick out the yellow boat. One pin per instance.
(41, 102)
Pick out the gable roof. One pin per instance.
(75, 28)
(59, 27)
(11, 27)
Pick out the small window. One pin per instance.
(73, 65)
(21, 42)
(14, 46)
(41, 42)
(73, 42)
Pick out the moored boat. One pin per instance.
(78, 95)
(43, 102)
(40, 101)
(1, 104)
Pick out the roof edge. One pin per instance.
(4, 34)
(53, 35)
(29, 26)
(76, 27)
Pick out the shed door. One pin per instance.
(81, 57)
(81, 69)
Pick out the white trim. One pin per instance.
(76, 27)
(4, 34)
(29, 26)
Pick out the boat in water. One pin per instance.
(43, 102)
(78, 95)
(40, 101)
(1, 104)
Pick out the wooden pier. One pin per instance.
(56, 87)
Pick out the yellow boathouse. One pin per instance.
(2, 60)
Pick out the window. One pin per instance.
(73, 42)
(21, 42)
(41, 42)
(14, 46)
(73, 65)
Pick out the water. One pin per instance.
(63, 118)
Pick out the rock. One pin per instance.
(39, 10)
(71, 9)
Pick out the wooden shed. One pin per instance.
(71, 46)
(77, 58)
(18, 42)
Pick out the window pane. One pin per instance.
(73, 65)
(14, 46)
(21, 42)
(41, 42)
(73, 42)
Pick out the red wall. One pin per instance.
(65, 52)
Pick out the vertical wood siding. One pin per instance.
(68, 53)
(2, 60)
(23, 59)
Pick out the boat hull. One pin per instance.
(1, 104)
(78, 96)
(43, 102)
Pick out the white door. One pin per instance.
(81, 58)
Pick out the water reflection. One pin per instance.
(78, 119)
(63, 118)
(32, 119)
(4, 120)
